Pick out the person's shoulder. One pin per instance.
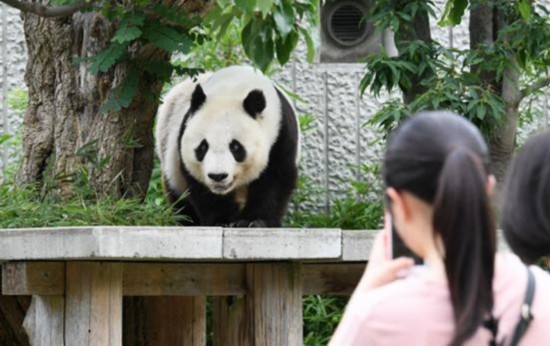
(398, 299)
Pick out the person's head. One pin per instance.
(437, 178)
(525, 217)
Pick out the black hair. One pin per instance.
(442, 159)
(525, 217)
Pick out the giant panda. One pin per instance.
(230, 141)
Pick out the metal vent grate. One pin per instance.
(346, 23)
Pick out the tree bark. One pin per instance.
(64, 129)
(481, 28)
(67, 140)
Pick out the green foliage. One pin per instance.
(266, 29)
(271, 28)
(453, 12)
(321, 317)
(122, 95)
(167, 38)
(24, 207)
(451, 78)
(103, 61)
(17, 100)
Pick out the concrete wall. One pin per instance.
(13, 58)
(339, 141)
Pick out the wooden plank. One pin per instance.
(44, 322)
(331, 278)
(93, 300)
(183, 279)
(281, 244)
(230, 325)
(178, 279)
(356, 245)
(28, 278)
(274, 303)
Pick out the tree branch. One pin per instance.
(541, 83)
(46, 11)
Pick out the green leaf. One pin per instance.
(284, 18)
(4, 138)
(167, 38)
(104, 60)
(310, 45)
(126, 34)
(176, 15)
(284, 47)
(248, 6)
(453, 12)
(122, 96)
(160, 69)
(524, 9)
(265, 6)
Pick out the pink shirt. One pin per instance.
(414, 311)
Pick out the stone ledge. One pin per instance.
(183, 244)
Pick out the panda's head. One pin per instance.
(223, 145)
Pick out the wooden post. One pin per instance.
(45, 320)
(274, 303)
(230, 324)
(269, 314)
(93, 300)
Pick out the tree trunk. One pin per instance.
(67, 140)
(419, 30)
(64, 129)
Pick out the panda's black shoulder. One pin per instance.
(288, 132)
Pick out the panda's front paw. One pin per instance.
(248, 224)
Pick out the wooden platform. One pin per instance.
(184, 244)
(78, 277)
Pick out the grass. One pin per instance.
(21, 208)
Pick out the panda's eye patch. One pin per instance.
(200, 151)
(238, 151)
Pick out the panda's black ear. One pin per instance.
(254, 103)
(197, 99)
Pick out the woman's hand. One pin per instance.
(381, 268)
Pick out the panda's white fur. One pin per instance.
(169, 119)
(221, 119)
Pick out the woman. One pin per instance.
(526, 207)
(438, 186)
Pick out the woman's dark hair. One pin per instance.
(442, 159)
(525, 217)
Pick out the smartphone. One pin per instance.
(398, 246)
(400, 249)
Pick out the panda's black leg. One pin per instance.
(268, 199)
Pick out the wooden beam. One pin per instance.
(178, 279)
(38, 278)
(331, 278)
(187, 279)
(93, 303)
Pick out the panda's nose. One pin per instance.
(217, 177)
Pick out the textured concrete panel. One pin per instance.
(13, 59)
